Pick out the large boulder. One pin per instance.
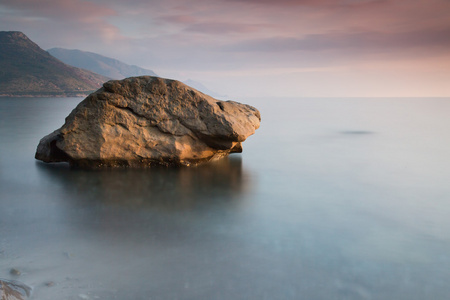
(143, 121)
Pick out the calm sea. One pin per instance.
(331, 199)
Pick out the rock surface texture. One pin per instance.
(145, 121)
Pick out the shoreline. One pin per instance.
(68, 95)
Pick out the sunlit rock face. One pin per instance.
(143, 121)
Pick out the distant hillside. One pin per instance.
(99, 64)
(27, 70)
(200, 87)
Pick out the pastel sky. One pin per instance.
(293, 48)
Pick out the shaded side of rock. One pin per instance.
(142, 121)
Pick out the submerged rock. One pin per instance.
(13, 290)
(15, 272)
(142, 121)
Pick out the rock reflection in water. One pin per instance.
(168, 188)
(134, 234)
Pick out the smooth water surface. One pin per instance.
(331, 199)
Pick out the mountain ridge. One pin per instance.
(202, 88)
(114, 68)
(98, 63)
(28, 70)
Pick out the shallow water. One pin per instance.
(331, 199)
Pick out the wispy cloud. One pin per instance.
(311, 2)
(69, 10)
(179, 19)
(224, 28)
(354, 42)
(63, 20)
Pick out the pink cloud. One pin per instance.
(316, 3)
(223, 28)
(69, 21)
(179, 19)
(354, 42)
(78, 10)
